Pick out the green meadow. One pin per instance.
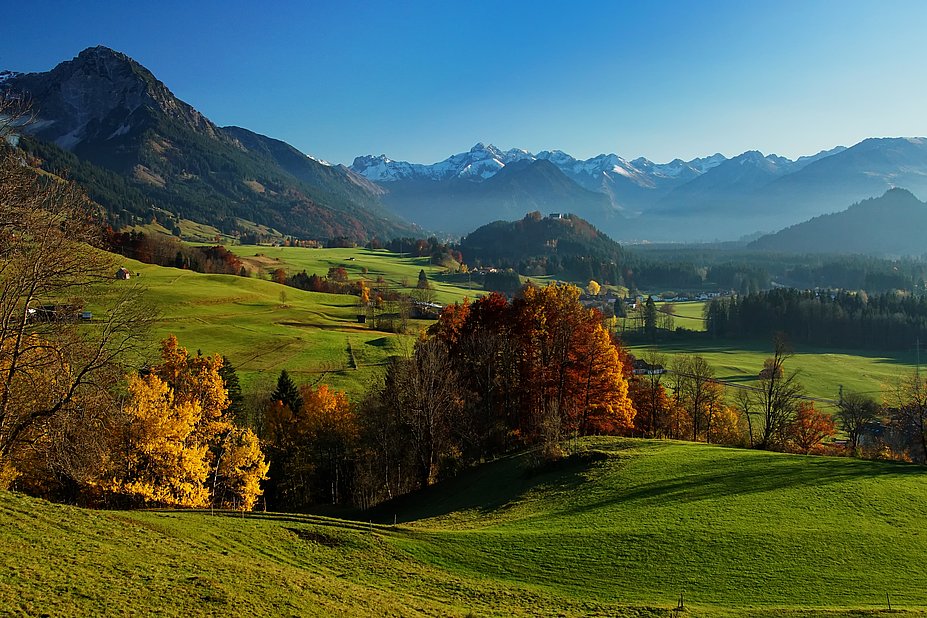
(400, 271)
(317, 337)
(822, 371)
(620, 528)
(314, 336)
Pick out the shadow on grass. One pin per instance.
(487, 488)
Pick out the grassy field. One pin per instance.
(313, 336)
(821, 370)
(316, 336)
(621, 528)
(399, 271)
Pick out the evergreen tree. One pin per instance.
(287, 392)
(233, 387)
(650, 317)
(422, 280)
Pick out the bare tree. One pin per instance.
(423, 391)
(694, 374)
(49, 268)
(652, 381)
(855, 411)
(778, 394)
(743, 403)
(909, 412)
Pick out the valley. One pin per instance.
(660, 355)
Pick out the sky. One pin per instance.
(419, 81)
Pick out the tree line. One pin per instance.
(827, 318)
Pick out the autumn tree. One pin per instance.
(777, 396)
(177, 445)
(49, 267)
(809, 428)
(311, 448)
(593, 287)
(651, 400)
(161, 462)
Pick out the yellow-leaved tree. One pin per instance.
(161, 463)
(178, 444)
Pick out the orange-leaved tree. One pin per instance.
(809, 428)
(311, 447)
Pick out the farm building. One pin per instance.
(123, 274)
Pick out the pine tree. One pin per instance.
(233, 387)
(287, 392)
(650, 317)
(422, 280)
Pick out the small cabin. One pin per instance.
(123, 274)
(643, 368)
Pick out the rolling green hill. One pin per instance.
(314, 336)
(621, 529)
(244, 319)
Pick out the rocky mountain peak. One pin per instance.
(102, 95)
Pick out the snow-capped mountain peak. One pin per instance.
(609, 174)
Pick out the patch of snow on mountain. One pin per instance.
(319, 161)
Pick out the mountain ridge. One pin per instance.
(889, 225)
(113, 113)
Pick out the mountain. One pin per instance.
(867, 169)
(114, 115)
(890, 225)
(461, 198)
(710, 198)
(630, 186)
(480, 162)
(727, 184)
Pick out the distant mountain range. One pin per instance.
(144, 154)
(891, 225)
(703, 199)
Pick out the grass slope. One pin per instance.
(243, 318)
(310, 336)
(621, 528)
(399, 271)
(821, 370)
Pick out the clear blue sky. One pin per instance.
(420, 81)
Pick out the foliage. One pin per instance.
(165, 251)
(855, 413)
(52, 367)
(175, 431)
(809, 428)
(892, 320)
(312, 446)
